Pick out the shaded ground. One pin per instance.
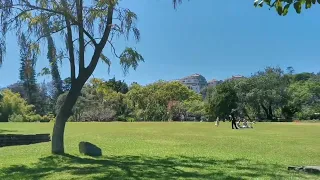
(141, 167)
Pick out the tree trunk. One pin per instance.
(62, 117)
(269, 116)
(270, 113)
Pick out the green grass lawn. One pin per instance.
(166, 151)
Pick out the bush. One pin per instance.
(47, 118)
(34, 118)
(121, 118)
(98, 114)
(12, 103)
(130, 119)
(124, 118)
(16, 118)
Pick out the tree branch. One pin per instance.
(71, 50)
(113, 49)
(81, 34)
(96, 56)
(52, 32)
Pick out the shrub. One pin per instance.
(130, 119)
(47, 118)
(12, 103)
(98, 114)
(34, 118)
(16, 118)
(121, 118)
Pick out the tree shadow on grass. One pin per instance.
(143, 167)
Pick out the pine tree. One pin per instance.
(56, 78)
(27, 70)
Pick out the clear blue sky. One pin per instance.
(217, 39)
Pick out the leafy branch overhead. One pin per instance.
(42, 19)
(81, 25)
(282, 6)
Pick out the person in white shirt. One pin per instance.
(245, 123)
(217, 122)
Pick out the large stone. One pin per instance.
(89, 149)
(312, 169)
(307, 169)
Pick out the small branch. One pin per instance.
(17, 16)
(88, 43)
(71, 50)
(114, 49)
(52, 32)
(90, 37)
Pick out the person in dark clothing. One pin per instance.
(233, 121)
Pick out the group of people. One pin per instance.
(245, 124)
(238, 122)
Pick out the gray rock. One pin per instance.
(307, 169)
(89, 149)
(312, 169)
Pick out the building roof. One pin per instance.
(237, 76)
(213, 80)
(198, 77)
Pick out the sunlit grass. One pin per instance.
(166, 151)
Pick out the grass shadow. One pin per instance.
(143, 167)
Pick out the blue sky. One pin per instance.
(217, 39)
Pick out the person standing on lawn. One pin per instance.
(233, 121)
(217, 121)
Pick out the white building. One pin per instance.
(196, 82)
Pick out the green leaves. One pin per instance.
(130, 58)
(268, 2)
(297, 7)
(279, 7)
(282, 6)
(106, 60)
(286, 9)
(44, 71)
(308, 4)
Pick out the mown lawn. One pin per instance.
(166, 151)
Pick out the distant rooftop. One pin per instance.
(238, 76)
(213, 80)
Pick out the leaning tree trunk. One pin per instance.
(62, 117)
(83, 76)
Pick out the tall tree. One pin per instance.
(118, 86)
(18, 88)
(92, 24)
(44, 100)
(223, 100)
(27, 69)
(282, 6)
(52, 57)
